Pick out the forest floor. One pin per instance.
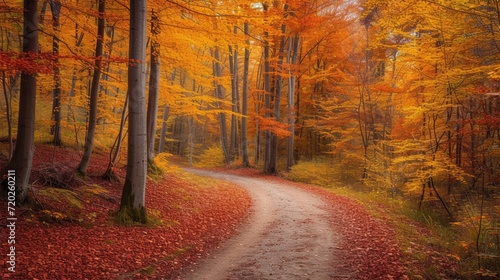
(74, 237)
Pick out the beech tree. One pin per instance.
(244, 100)
(219, 91)
(55, 129)
(154, 83)
(89, 139)
(22, 158)
(132, 206)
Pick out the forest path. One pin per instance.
(288, 235)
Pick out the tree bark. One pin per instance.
(272, 167)
(163, 132)
(244, 102)
(222, 116)
(55, 129)
(233, 66)
(154, 87)
(22, 158)
(132, 206)
(8, 113)
(94, 90)
(293, 53)
(267, 105)
(115, 150)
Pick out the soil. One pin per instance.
(288, 235)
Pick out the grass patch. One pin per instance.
(67, 197)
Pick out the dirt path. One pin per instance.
(287, 236)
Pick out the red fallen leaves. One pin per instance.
(368, 245)
(195, 218)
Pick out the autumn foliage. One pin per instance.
(399, 97)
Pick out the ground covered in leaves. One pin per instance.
(72, 236)
(370, 246)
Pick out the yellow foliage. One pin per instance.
(318, 172)
(212, 157)
(161, 162)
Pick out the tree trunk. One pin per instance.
(132, 206)
(22, 158)
(273, 152)
(267, 105)
(163, 132)
(191, 133)
(292, 54)
(233, 66)
(222, 116)
(55, 129)
(154, 89)
(244, 102)
(8, 113)
(259, 100)
(78, 43)
(115, 150)
(94, 90)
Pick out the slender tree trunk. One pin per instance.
(78, 43)
(22, 159)
(132, 206)
(267, 104)
(233, 66)
(115, 150)
(8, 114)
(293, 53)
(154, 89)
(272, 167)
(55, 129)
(191, 132)
(163, 132)
(244, 102)
(222, 116)
(94, 90)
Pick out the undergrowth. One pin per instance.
(211, 157)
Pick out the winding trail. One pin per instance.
(288, 235)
